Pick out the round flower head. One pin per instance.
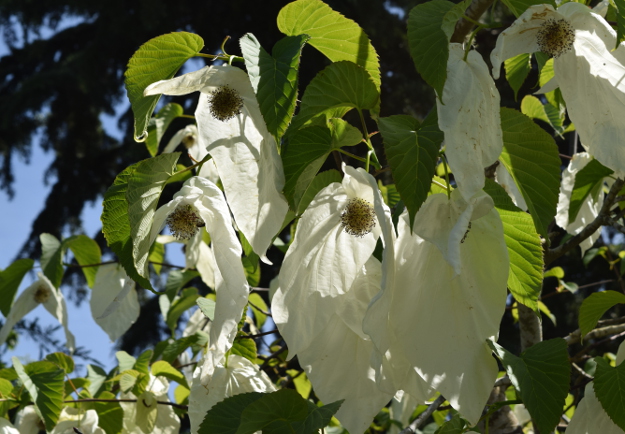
(225, 103)
(358, 218)
(556, 37)
(587, 70)
(184, 222)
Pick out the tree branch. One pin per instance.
(475, 10)
(601, 219)
(412, 428)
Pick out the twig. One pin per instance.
(412, 428)
(581, 372)
(259, 309)
(172, 404)
(576, 336)
(475, 10)
(257, 335)
(553, 254)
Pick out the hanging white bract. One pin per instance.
(198, 204)
(232, 129)
(469, 117)
(589, 74)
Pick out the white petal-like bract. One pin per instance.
(86, 421)
(232, 292)
(469, 117)
(589, 209)
(323, 261)
(240, 376)
(243, 149)
(114, 302)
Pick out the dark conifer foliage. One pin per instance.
(57, 87)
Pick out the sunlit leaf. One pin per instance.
(517, 69)
(159, 124)
(586, 181)
(594, 306)
(87, 253)
(10, 279)
(158, 59)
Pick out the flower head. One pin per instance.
(358, 217)
(587, 70)
(40, 292)
(232, 130)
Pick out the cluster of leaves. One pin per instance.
(541, 375)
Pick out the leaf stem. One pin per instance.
(355, 157)
(447, 187)
(371, 157)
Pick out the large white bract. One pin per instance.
(162, 419)
(589, 209)
(40, 292)
(238, 375)
(469, 117)
(589, 74)
(441, 300)
(243, 149)
(207, 201)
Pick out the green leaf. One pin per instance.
(337, 37)
(524, 248)
(609, 387)
(587, 180)
(164, 369)
(158, 59)
(517, 69)
(453, 426)
(143, 362)
(176, 279)
(244, 347)
(97, 377)
(62, 360)
(10, 279)
(318, 417)
(44, 382)
(87, 252)
(517, 7)
(116, 226)
(207, 306)
(274, 78)
(274, 413)
(320, 181)
(256, 301)
(225, 416)
(125, 361)
(144, 189)
(128, 380)
(412, 152)
(174, 349)
(593, 308)
(179, 306)
(157, 257)
(333, 92)
(110, 414)
(531, 157)
(52, 258)
(147, 411)
(159, 124)
(430, 27)
(533, 108)
(306, 152)
(301, 382)
(343, 133)
(620, 25)
(541, 375)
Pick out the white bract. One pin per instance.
(40, 292)
(324, 259)
(6, 427)
(589, 209)
(503, 178)
(589, 74)
(197, 255)
(200, 202)
(147, 416)
(338, 359)
(86, 421)
(441, 300)
(114, 302)
(238, 375)
(188, 136)
(469, 117)
(27, 421)
(232, 130)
